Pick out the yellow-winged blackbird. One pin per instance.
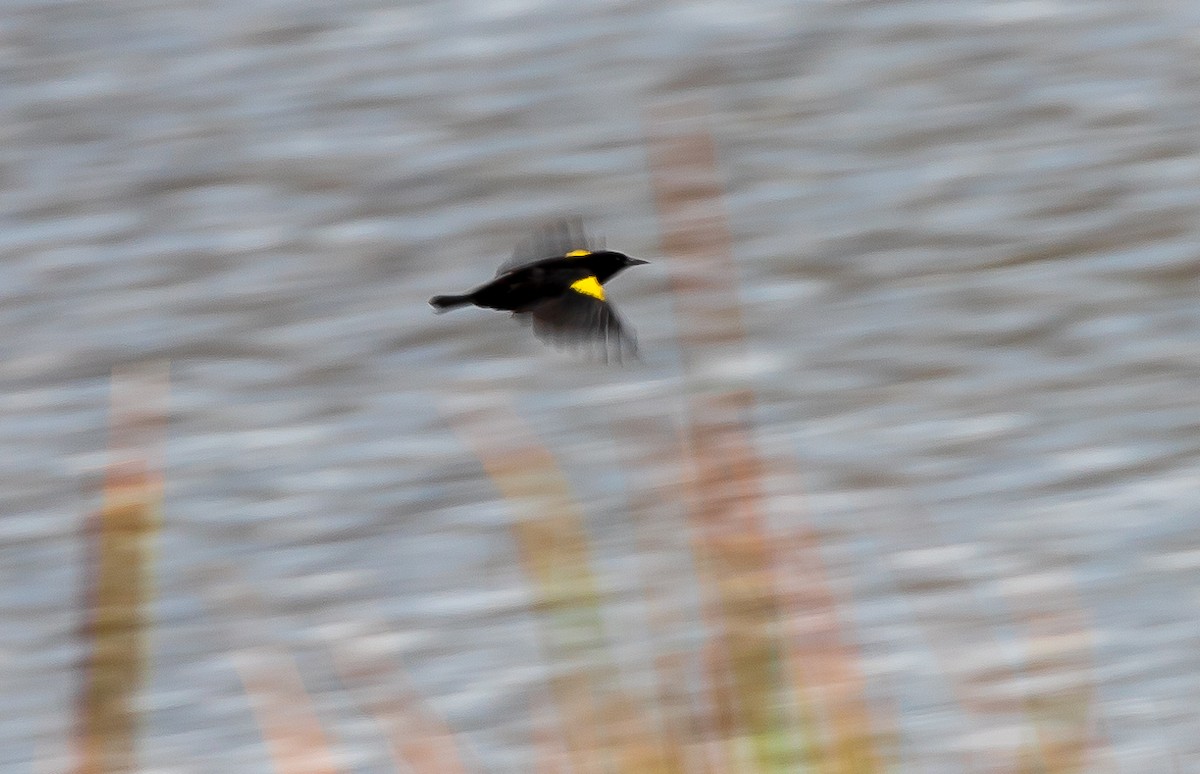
(555, 281)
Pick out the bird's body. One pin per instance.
(561, 293)
(522, 288)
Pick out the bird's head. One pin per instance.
(606, 263)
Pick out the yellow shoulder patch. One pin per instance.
(578, 253)
(588, 286)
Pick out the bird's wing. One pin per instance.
(583, 321)
(550, 241)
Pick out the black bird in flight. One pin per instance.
(555, 280)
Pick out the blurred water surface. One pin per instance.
(965, 236)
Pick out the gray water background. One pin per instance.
(966, 236)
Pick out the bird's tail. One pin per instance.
(442, 303)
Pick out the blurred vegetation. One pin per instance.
(784, 685)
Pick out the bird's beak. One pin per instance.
(636, 262)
